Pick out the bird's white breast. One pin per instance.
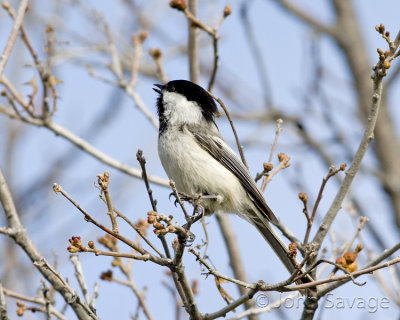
(195, 171)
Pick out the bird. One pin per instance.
(196, 157)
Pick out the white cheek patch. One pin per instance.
(179, 110)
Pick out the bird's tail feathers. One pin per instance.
(278, 246)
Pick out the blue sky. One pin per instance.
(285, 44)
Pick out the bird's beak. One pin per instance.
(160, 88)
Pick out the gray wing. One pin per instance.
(212, 142)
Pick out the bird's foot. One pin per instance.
(192, 199)
(188, 239)
(183, 197)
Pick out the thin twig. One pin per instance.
(381, 257)
(195, 23)
(142, 162)
(235, 259)
(140, 296)
(115, 60)
(203, 222)
(234, 304)
(189, 302)
(239, 146)
(117, 254)
(283, 164)
(119, 214)
(348, 276)
(332, 171)
(178, 303)
(178, 199)
(3, 305)
(363, 221)
(104, 181)
(217, 274)
(80, 277)
(277, 132)
(28, 44)
(193, 44)
(337, 266)
(116, 68)
(137, 41)
(157, 56)
(82, 144)
(131, 284)
(271, 306)
(47, 304)
(13, 35)
(303, 15)
(92, 303)
(355, 165)
(39, 301)
(147, 256)
(215, 65)
(21, 238)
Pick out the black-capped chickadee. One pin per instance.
(199, 161)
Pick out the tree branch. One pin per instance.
(355, 165)
(13, 35)
(81, 310)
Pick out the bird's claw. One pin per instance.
(183, 197)
(188, 240)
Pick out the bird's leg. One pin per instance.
(188, 240)
(196, 218)
(184, 197)
(194, 200)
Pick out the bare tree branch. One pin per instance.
(13, 35)
(19, 235)
(3, 305)
(85, 146)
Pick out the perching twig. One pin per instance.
(142, 162)
(178, 199)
